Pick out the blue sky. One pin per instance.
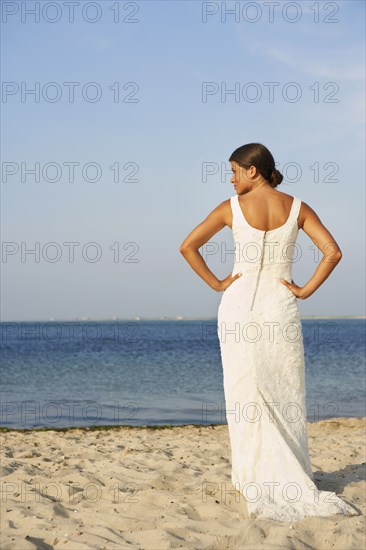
(163, 139)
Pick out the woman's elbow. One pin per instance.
(337, 255)
(183, 248)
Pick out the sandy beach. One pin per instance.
(157, 488)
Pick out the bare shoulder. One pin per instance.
(312, 225)
(212, 224)
(222, 212)
(307, 214)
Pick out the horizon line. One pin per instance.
(161, 318)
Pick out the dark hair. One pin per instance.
(256, 154)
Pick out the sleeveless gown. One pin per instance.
(262, 353)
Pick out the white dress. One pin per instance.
(261, 343)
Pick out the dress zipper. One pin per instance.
(258, 273)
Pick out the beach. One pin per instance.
(164, 487)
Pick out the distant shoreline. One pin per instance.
(178, 318)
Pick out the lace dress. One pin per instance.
(261, 343)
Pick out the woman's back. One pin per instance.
(266, 210)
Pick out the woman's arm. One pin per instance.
(321, 237)
(215, 221)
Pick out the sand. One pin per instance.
(160, 488)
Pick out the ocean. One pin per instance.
(156, 372)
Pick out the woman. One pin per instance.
(261, 339)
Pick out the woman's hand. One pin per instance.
(225, 283)
(296, 290)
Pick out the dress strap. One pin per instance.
(295, 209)
(236, 211)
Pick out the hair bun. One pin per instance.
(275, 178)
